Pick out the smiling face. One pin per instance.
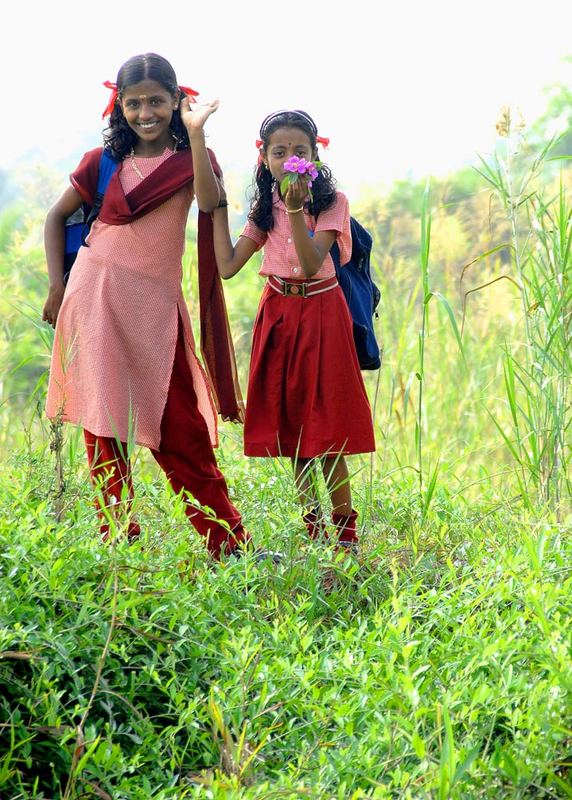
(284, 143)
(148, 108)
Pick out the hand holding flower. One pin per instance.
(295, 167)
(296, 194)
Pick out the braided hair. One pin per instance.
(323, 187)
(118, 137)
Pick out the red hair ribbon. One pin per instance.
(112, 100)
(319, 140)
(191, 94)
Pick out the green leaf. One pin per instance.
(291, 178)
(466, 763)
(445, 303)
(418, 745)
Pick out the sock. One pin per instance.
(314, 523)
(346, 526)
(223, 543)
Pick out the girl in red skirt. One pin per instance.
(306, 398)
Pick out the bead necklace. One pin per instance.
(134, 164)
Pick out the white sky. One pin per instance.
(401, 88)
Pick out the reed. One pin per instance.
(538, 368)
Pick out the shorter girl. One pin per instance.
(306, 398)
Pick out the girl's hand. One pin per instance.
(53, 304)
(296, 193)
(194, 115)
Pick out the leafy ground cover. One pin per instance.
(437, 665)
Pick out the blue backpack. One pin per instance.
(78, 225)
(361, 293)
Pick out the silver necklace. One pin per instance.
(134, 164)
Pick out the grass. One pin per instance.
(437, 666)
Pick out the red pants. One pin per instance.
(187, 457)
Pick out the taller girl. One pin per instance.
(306, 398)
(124, 365)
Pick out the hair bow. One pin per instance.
(112, 99)
(191, 94)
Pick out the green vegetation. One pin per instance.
(436, 665)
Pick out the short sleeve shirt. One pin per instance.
(280, 257)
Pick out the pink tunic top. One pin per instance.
(280, 257)
(116, 332)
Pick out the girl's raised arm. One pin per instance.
(230, 258)
(194, 116)
(311, 252)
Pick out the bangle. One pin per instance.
(294, 210)
(222, 204)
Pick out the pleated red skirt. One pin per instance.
(306, 395)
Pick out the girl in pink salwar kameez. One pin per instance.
(124, 365)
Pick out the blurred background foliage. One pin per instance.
(467, 419)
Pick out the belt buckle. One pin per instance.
(295, 289)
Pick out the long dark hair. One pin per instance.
(323, 187)
(118, 137)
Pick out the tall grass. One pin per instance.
(537, 373)
(427, 484)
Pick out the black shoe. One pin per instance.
(258, 554)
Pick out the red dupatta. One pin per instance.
(119, 208)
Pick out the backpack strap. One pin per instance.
(362, 243)
(335, 254)
(107, 167)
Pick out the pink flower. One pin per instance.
(301, 166)
(292, 164)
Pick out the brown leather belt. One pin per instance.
(300, 288)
